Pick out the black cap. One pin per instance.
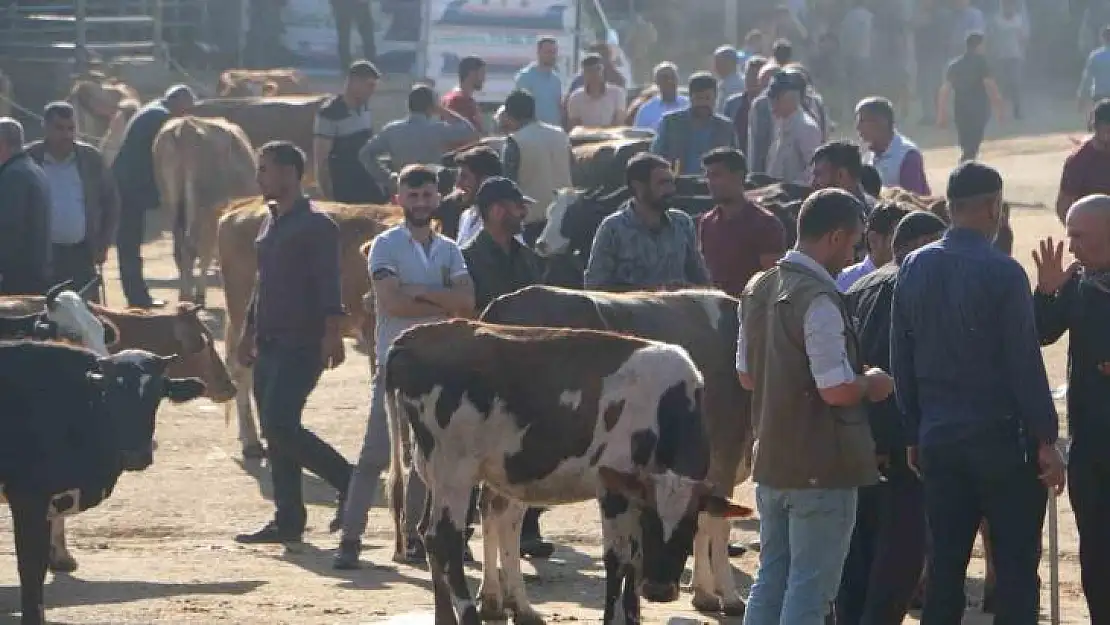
(499, 189)
(972, 179)
(916, 225)
(783, 82)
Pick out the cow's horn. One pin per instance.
(92, 284)
(52, 294)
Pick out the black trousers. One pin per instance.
(284, 376)
(887, 552)
(993, 475)
(129, 246)
(348, 13)
(971, 127)
(74, 262)
(1089, 491)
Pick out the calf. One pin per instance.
(70, 424)
(548, 416)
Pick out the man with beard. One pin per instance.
(796, 134)
(896, 158)
(456, 214)
(418, 276)
(687, 135)
(1076, 300)
(1085, 169)
(460, 100)
(798, 355)
(646, 245)
(839, 164)
(292, 333)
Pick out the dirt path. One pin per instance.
(160, 550)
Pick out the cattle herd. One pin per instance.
(633, 401)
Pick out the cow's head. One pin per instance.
(133, 383)
(68, 310)
(199, 356)
(552, 241)
(669, 505)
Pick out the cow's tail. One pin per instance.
(398, 441)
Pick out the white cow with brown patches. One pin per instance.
(546, 416)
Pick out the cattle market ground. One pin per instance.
(160, 550)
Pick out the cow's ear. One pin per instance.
(631, 485)
(180, 390)
(720, 507)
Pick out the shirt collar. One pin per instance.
(630, 209)
(805, 260)
(48, 158)
(966, 236)
(301, 204)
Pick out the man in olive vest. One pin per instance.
(799, 356)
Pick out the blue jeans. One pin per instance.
(804, 537)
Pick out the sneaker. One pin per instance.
(535, 547)
(268, 535)
(346, 557)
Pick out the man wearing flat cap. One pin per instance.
(980, 423)
(797, 134)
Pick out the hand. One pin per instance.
(1051, 274)
(879, 384)
(911, 461)
(333, 351)
(1053, 471)
(246, 353)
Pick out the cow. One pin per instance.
(704, 323)
(200, 164)
(113, 137)
(70, 424)
(235, 235)
(241, 83)
(939, 206)
(601, 165)
(97, 99)
(549, 416)
(584, 135)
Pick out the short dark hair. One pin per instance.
(285, 154)
(363, 69)
(592, 60)
(468, 65)
(782, 51)
(481, 160)
(1101, 113)
(841, 155)
(700, 82)
(871, 180)
(755, 63)
(876, 105)
(826, 211)
(640, 167)
(416, 175)
(57, 109)
(421, 99)
(974, 40)
(884, 218)
(546, 39)
(520, 105)
(731, 158)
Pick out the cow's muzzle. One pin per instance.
(137, 460)
(659, 592)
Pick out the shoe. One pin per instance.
(535, 547)
(269, 535)
(153, 303)
(346, 557)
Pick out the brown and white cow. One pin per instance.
(236, 232)
(704, 323)
(549, 416)
(201, 164)
(113, 137)
(96, 100)
(243, 83)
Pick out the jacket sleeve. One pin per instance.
(1052, 311)
(37, 205)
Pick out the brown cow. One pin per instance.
(583, 135)
(113, 137)
(244, 83)
(96, 99)
(237, 230)
(200, 164)
(601, 165)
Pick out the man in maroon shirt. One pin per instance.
(737, 238)
(472, 74)
(1085, 171)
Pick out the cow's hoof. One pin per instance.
(64, 563)
(706, 602)
(254, 451)
(491, 609)
(733, 608)
(528, 618)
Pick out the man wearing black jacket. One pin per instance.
(24, 216)
(888, 544)
(1076, 299)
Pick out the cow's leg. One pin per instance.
(508, 545)
(248, 430)
(184, 256)
(444, 540)
(61, 560)
(731, 602)
(621, 556)
(206, 249)
(491, 597)
(705, 597)
(32, 547)
(989, 577)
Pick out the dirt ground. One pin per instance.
(160, 550)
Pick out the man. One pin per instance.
(881, 223)
(456, 213)
(460, 100)
(348, 14)
(813, 444)
(609, 71)
(536, 156)
(1009, 37)
(839, 164)
(965, 20)
(739, 106)
(685, 136)
(981, 427)
(753, 46)
(726, 66)
(645, 244)
(138, 189)
(418, 276)
(736, 238)
(24, 216)
(931, 53)
(888, 544)
(667, 100)
(419, 139)
(782, 51)
(1075, 300)
(968, 81)
(84, 202)
(897, 159)
(1085, 169)
(1095, 83)
(796, 135)
(597, 103)
(855, 45)
(541, 79)
(343, 125)
(293, 332)
(761, 121)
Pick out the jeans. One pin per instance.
(991, 475)
(1089, 490)
(348, 13)
(372, 460)
(887, 552)
(74, 262)
(129, 251)
(804, 537)
(284, 376)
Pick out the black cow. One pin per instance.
(70, 424)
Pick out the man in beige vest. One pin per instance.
(799, 356)
(537, 158)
